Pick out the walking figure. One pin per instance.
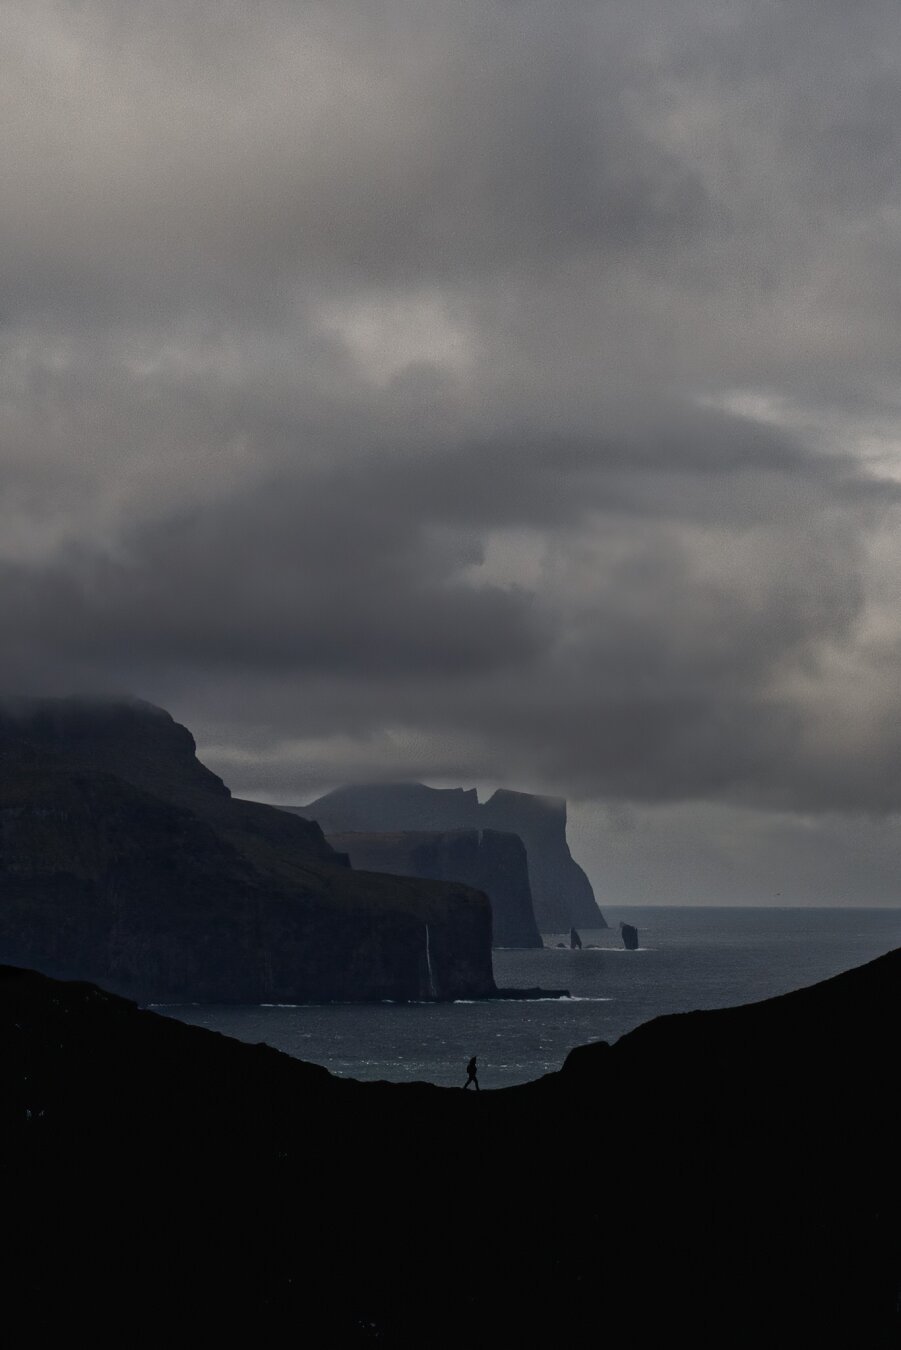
(471, 1071)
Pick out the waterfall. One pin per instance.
(428, 961)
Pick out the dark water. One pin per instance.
(688, 958)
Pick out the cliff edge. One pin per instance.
(493, 861)
(125, 861)
(561, 892)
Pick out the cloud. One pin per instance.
(674, 641)
(499, 393)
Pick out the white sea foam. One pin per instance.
(551, 998)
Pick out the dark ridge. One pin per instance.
(718, 1178)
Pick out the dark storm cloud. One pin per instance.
(640, 670)
(491, 392)
(161, 155)
(303, 582)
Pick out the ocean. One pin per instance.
(688, 958)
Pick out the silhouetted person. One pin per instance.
(471, 1071)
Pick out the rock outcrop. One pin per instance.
(124, 860)
(561, 892)
(630, 936)
(166, 1184)
(492, 861)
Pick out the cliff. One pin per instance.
(492, 861)
(165, 1183)
(124, 860)
(395, 806)
(561, 892)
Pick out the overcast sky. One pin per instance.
(491, 392)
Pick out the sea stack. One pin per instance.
(574, 940)
(629, 936)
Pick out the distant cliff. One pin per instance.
(561, 892)
(124, 860)
(493, 861)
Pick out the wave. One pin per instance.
(551, 998)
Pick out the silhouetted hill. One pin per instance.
(561, 892)
(720, 1179)
(492, 861)
(124, 860)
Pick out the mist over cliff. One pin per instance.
(561, 892)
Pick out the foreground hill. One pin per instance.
(721, 1179)
(561, 892)
(124, 860)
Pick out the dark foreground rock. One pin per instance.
(124, 860)
(561, 892)
(492, 861)
(165, 1185)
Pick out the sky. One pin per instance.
(475, 393)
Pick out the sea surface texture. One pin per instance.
(688, 958)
